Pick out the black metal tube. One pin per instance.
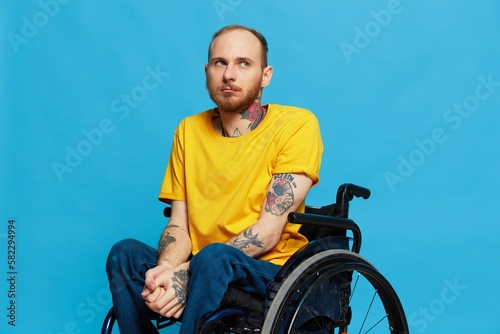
(328, 221)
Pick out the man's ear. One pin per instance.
(267, 74)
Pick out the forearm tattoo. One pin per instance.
(248, 239)
(180, 282)
(166, 239)
(281, 197)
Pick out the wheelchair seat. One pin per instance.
(314, 290)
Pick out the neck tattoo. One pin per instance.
(252, 125)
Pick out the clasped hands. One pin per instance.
(165, 289)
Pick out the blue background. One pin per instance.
(385, 78)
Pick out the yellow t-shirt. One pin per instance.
(224, 181)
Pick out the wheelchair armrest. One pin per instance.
(328, 221)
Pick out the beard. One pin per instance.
(229, 102)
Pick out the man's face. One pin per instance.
(234, 73)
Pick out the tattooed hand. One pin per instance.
(179, 284)
(165, 290)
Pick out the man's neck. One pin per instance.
(238, 124)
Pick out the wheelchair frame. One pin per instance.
(308, 269)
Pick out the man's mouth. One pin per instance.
(229, 89)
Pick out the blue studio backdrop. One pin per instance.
(407, 94)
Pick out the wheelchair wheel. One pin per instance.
(332, 292)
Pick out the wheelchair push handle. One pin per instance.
(347, 191)
(360, 191)
(345, 194)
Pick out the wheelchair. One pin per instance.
(325, 287)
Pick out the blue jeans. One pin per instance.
(212, 270)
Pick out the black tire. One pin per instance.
(375, 309)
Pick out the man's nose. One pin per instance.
(230, 73)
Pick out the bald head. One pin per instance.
(260, 38)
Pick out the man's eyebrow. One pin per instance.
(217, 59)
(238, 59)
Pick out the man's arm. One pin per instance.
(285, 194)
(166, 284)
(174, 246)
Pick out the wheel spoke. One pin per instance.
(375, 325)
(354, 287)
(368, 312)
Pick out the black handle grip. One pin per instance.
(348, 190)
(345, 193)
(358, 191)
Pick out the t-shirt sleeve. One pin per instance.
(174, 184)
(302, 149)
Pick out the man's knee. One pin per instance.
(127, 262)
(120, 252)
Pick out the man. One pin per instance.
(234, 174)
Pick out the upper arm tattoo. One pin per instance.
(280, 197)
(248, 239)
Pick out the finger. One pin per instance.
(159, 305)
(146, 291)
(179, 313)
(173, 307)
(151, 277)
(165, 301)
(152, 296)
(163, 279)
(171, 310)
(149, 287)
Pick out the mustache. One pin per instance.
(230, 86)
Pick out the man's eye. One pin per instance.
(245, 63)
(220, 63)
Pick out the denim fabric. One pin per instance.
(211, 271)
(126, 267)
